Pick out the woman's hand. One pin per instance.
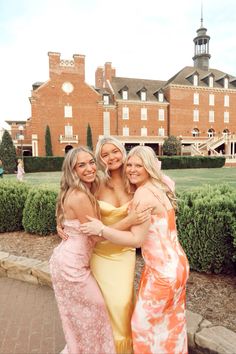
(138, 216)
(93, 227)
(61, 233)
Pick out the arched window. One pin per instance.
(211, 133)
(195, 132)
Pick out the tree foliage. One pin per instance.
(48, 142)
(89, 137)
(172, 146)
(8, 153)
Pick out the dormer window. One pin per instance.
(125, 94)
(160, 97)
(211, 81)
(226, 83)
(106, 99)
(195, 80)
(143, 96)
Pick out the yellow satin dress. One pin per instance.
(113, 266)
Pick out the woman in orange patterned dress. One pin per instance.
(158, 322)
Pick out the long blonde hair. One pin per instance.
(70, 181)
(100, 163)
(150, 163)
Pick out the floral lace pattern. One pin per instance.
(82, 309)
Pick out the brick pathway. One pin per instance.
(29, 319)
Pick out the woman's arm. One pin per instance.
(133, 238)
(135, 216)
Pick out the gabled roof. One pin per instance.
(134, 86)
(182, 77)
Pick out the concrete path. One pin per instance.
(29, 319)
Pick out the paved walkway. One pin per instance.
(29, 319)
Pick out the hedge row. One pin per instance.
(177, 162)
(43, 164)
(206, 221)
(52, 163)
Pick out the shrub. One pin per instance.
(171, 146)
(206, 224)
(8, 153)
(12, 200)
(39, 212)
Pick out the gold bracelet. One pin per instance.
(100, 234)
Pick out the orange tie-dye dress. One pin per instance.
(158, 321)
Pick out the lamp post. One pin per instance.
(21, 138)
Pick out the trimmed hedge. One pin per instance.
(179, 162)
(43, 164)
(206, 223)
(12, 200)
(39, 212)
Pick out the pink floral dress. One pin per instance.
(158, 322)
(82, 309)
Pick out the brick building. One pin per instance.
(198, 105)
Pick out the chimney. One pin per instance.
(79, 61)
(99, 77)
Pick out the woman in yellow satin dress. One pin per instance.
(113, 266)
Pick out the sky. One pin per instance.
(149, 39)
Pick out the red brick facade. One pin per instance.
(198, 105)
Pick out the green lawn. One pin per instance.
(185, 179)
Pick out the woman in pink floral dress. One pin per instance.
(158, 321)
(82, 309)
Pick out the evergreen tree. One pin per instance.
(89, 137)
(8, 153)
(48, 142)
(171, 146)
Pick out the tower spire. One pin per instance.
(201, 14)
(201, 46)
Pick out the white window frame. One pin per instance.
(195, 132)
(195, 80)
(160, 97)
(211, 116)
(68, 131)
(125, 112)
(211, 99)
(106, 123)
(143, 113)
(125, 94)
(106, 99)
(226, 117)
(125, 131)
(211, 81)
(161, 114)
(226, 83)
(196, 115)
(196, 98)
(68, 111)
(143, 95)
(143, 131)
(226, 101)
(210, 134)
(161, 131)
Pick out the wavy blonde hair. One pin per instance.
(150, 163)
(100, 163)
(71, 181)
